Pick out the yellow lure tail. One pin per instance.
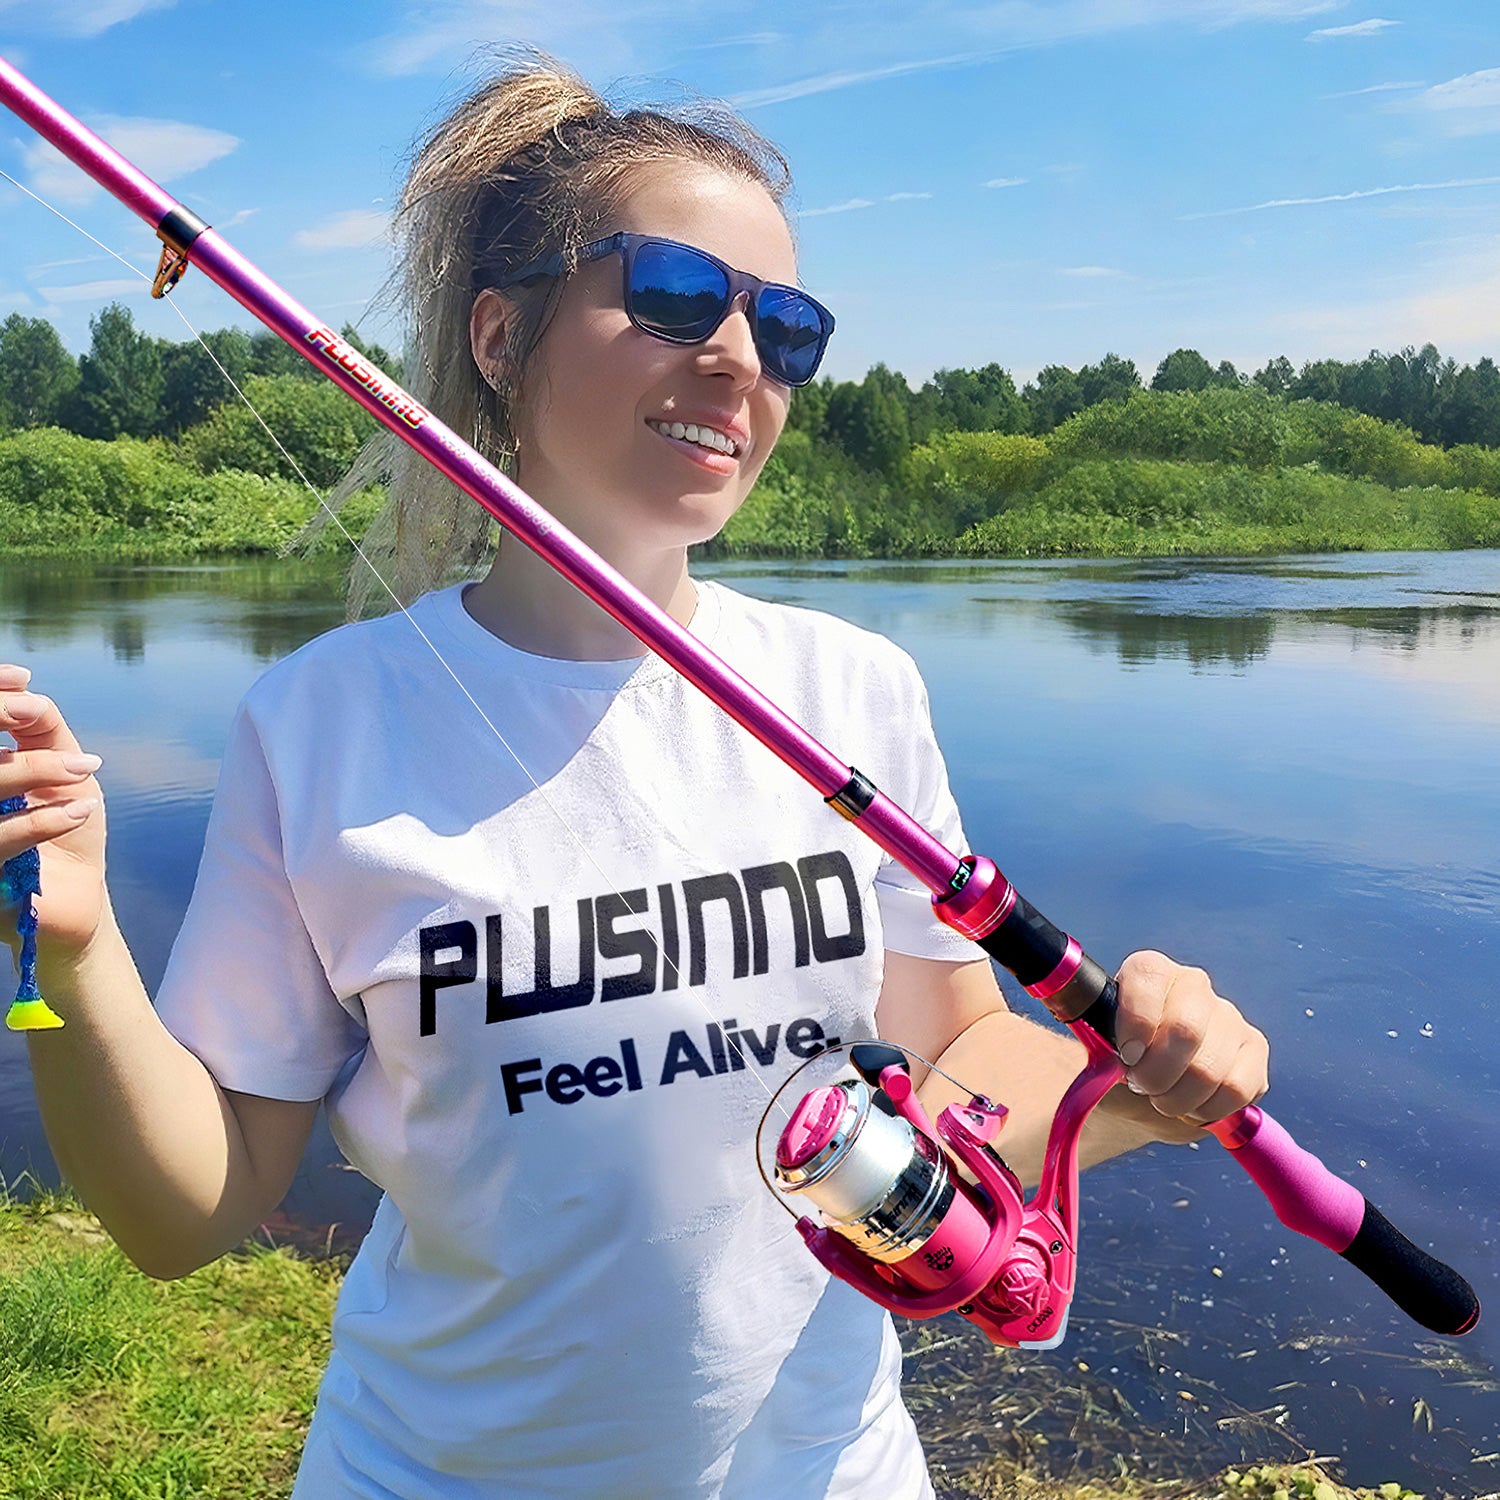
(32, 1015)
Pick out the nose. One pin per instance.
(730, 348)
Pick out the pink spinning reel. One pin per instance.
(899, 1222)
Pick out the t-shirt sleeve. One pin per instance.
(919, 783)
(244, 989)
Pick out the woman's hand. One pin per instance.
(1187, 1050)
(64, 819)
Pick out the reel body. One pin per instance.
(900, 1221)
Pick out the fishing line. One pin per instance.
(731, 1039)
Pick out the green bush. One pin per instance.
(319, 428)
(55, 485)
(1144, 507)
(128, 498)
(960, 478)
(1241, 426)
(1247, 427)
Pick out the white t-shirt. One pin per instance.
(545, 1019)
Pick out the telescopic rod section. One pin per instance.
(970, 894)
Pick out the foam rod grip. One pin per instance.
(1311, 1200)
(1420, 1285)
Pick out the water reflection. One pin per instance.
(1281, 768)
(266, 609)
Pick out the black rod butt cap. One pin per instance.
(1435, 1295)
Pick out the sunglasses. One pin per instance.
(682, 294)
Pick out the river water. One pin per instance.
(1282, 769)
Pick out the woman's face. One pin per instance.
(598, 392)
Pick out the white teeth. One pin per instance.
(692, 432)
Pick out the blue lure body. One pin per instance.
(21, 882)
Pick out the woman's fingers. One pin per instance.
(1187, 1048)
(34, 722)
(23, 772)
(40, 825)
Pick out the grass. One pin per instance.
(117, 1387)
(114, 1385)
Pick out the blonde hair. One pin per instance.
(531, 163)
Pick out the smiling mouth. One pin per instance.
(692, 432)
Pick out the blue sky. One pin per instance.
(1026, 181)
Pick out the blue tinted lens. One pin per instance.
(676, 293)
(789, 335)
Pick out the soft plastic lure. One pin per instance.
(20, 883)
(977, 1250)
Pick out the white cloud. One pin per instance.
(355, 229)
(93, 291)
(1466, 105)
(1005, 182)
(823, 83)
(837, 208)
(76, 17)
(163, 149)
(1089, 272)
(1379, 192)
(1371, 27)
(857, 203)
(57, 265)
(1377, 88)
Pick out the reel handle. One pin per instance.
(1304, 1194)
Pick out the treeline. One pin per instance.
(1392, 451)
(138, 448)
(878, 420)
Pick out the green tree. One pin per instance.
(1470, 407)
(119, 380)
(983, 400)
(37, 374)
(870, 421)
(1319, 380)
(1112, 379)
(1276, 376)
(318, 425)
(1055, 395)
(809, 408)
(193, 376)
(1184, 370)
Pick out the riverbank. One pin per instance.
(1216, 473)
(118, 1387)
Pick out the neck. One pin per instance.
(530, 606)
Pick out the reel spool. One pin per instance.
(898, 1218)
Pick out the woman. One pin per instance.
(552, 1055)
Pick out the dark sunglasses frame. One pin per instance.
(628, 245)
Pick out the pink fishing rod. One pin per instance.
(969, 893)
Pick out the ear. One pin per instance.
(489, 326)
